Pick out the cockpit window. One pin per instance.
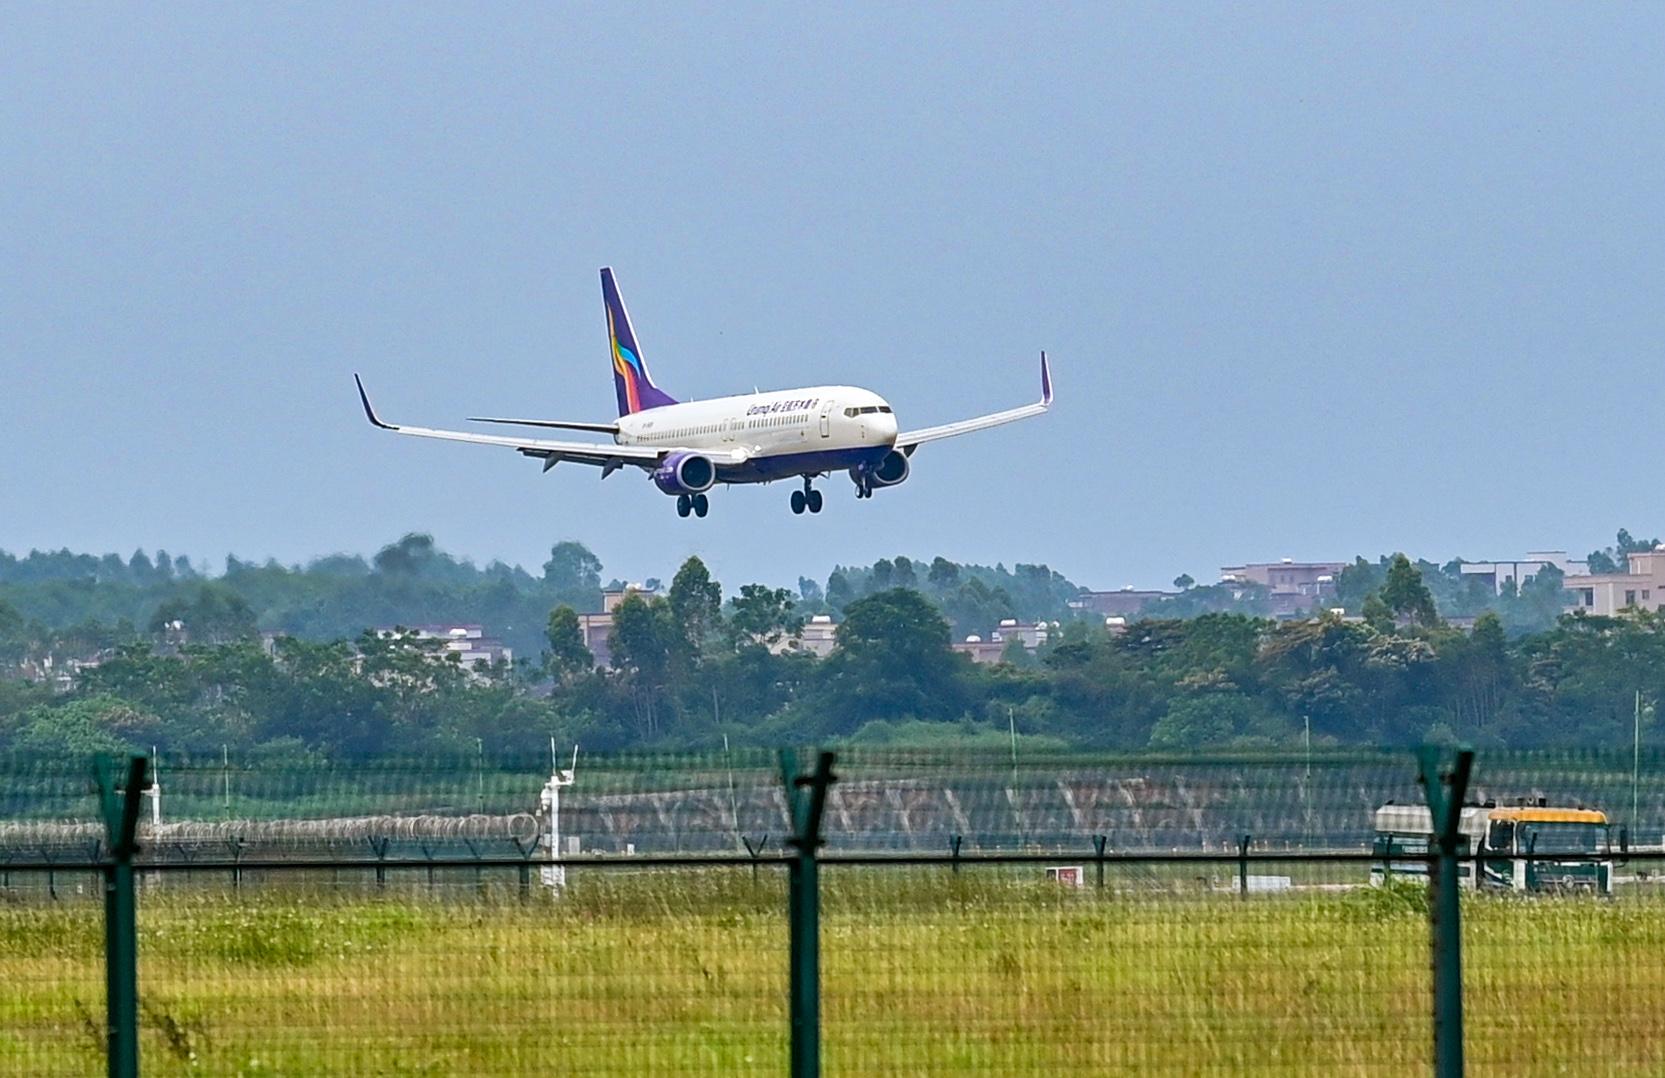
(852, 412)
(885, 408)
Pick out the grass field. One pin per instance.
(923, 973)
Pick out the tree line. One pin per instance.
(692, 668)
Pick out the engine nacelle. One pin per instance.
(685, 473)
(890, 470)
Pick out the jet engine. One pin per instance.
(891, 470)
(685, 473)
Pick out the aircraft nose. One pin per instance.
(884, 427)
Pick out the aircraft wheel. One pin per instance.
(684, 505)
(702, 505)
(799, 502)
(814, 501)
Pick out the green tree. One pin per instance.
(14, 636)
(1405, 595)
(892, 661)
(1210, 719)
(1478, 674)
(943, 574)
(408, 557)
(647, 644)
(572, 572)
(211, 613)
(567, 654)
(696, 602)
(1358, 580)
(1616, 558)
(1184, 582)
(763, 615)
(1377, 614)
(91, 724)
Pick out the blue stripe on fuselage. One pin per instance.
(787, 465)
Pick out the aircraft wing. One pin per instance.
(609, 458)
(907, 440)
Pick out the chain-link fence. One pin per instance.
(873, 913)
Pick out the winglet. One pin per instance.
(369, 412)
(1046, 381)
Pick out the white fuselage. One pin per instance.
(819, 419)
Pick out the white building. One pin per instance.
(1643, 588)
(1030, 636)
(469, 643)
(818, 638)
(1509, 575)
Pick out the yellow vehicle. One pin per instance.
(1510, 843)
(1516, 839)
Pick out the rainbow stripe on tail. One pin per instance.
(635, 387)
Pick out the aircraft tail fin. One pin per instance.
(634, 385)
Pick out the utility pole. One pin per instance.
(1306, 784)
(1636, 766)
(1011, 725)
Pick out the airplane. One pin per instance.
(687, 448)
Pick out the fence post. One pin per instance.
(1243, 868)
(755, 851)
(1446, 787)
(806, 798)
(1099, 842)
(120, 785)
(379, 845)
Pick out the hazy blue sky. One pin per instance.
(1316, 280)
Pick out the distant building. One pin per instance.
(1127, 603)
(1502, 576)
(469, 643)
(818, 638)
(980, 650)
(1293, 587)
(1031, 636)
(597, 628)
(1287, 576)
(1643, 588)
(60, 674)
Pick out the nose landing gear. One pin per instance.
(806, 499)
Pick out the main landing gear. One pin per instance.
(697, 504)
(808, 498)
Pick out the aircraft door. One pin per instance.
(826, 419)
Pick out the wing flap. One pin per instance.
(550, 424)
